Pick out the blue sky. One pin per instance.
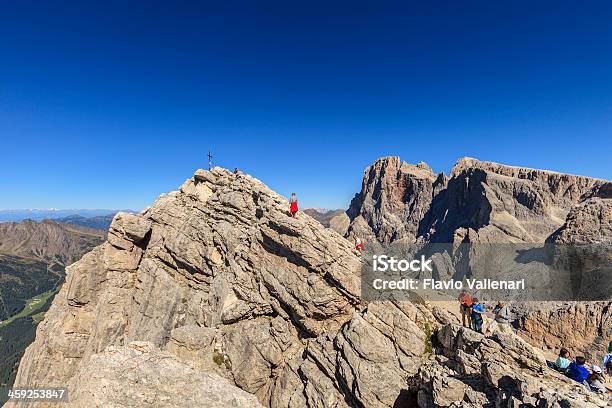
(109, 104)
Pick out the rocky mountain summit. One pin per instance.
(215, 282)
(395, 196)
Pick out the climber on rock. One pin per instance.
(359, 246)
(562, 362)
(577, 371)
(465, 303)
(477, 315)
(596, 380)
(293, 205)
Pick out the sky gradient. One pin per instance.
(109, 104)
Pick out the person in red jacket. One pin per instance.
(466, 303)
(293, 205)
(359, 246)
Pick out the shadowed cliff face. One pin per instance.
(480, 202)
(394, 198)
(217, 282)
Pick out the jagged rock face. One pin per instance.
(480, 202)
(500, 370)
(497, 203)
(394, 198)
(588, 222)
(218, 275)
(486, 202)
(583, 328)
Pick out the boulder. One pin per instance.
(139, 375)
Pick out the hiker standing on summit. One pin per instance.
(293, 205)
(359, 246)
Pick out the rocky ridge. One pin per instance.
(48, 240)
(478, 202)
(219, 278)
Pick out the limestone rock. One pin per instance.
(493, 202)
(588, 222)
(505, 371)
(139, 375)
(584, 328)
(223, 279)
(132, 227)
(486, 203)
(393, 199)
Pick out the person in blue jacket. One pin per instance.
(477, 315)
(577, 371)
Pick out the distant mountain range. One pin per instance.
(100, 222)
(38, 214)
(48, 240)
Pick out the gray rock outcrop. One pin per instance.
(394, 198)
(139, 375)
(500, 370)
(584, 328)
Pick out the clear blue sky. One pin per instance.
(109, 104)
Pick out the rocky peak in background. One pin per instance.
(48, 240)
(479, 202)
(216, 282)
(394, 197)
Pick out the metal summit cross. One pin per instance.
(209, 160)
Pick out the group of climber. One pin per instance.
(293, 210)
(577, 370)
(473, 314)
